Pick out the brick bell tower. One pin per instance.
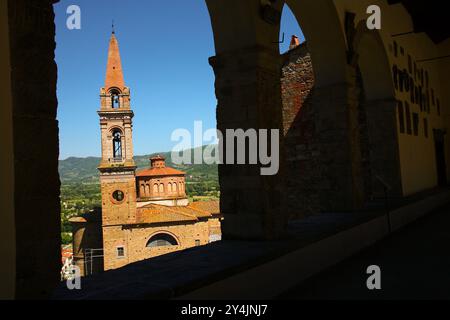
(117, 167)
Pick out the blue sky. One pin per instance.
(164, 45)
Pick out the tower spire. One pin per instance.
(114, 74)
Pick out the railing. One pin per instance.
(93, 261)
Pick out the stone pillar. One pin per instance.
(78, 234)
(384, 148)
(36, 147)
(7, 216)
(338, 148)
(249, 96)
(128, 145)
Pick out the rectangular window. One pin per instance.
(416, 94)
(425, 127)
(408, 118)
(421, 99)
(415, 71)
(120, 252)
(410, 67)
(412, 90)
(401, 117)
(416, 123)
(395, 49)
(438, 103)
(401, 78)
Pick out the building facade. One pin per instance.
(387, 132)
(146, 213)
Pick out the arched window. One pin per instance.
(161, 240)
(161, 188)
(142, 190)
(147, 190)
(155, 188)
(115, 99)
(117, 145)
(169, 187)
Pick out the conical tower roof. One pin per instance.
(114, 73)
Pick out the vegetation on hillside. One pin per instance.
(80, 186)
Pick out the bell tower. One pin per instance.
(117, 167)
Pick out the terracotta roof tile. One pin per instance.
(213, 207)
(155, 213)
(165, 171)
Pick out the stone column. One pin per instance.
(7, 215)
(384, 148)
(36, 147)
(249, 96)
(340, 186)
(128, 143)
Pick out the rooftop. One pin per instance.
(155, 213)
(158, 168)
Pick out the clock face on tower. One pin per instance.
(118, 196)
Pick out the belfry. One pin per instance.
(143, 214)
(117, 167)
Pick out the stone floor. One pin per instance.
(414, 262)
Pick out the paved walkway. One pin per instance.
(414, 262)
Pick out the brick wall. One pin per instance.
(301, 149)
(134, 238)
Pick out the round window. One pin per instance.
(118, 195)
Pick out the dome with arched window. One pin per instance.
(167, 184)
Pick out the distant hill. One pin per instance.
(84, 170)
(80, 189)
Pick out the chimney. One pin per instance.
(295, 42)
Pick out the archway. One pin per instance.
(161, 240)
(247, 67)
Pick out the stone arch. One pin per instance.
(373, 61)
(321, 26)
(247, 68)
(159, 237)
(115, 97)
(114, 90)
(243, 27)
(112, 129)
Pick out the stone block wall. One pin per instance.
(316, 121)
(36, 147)
(134, 238)
(118, 212)
(301, 148)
